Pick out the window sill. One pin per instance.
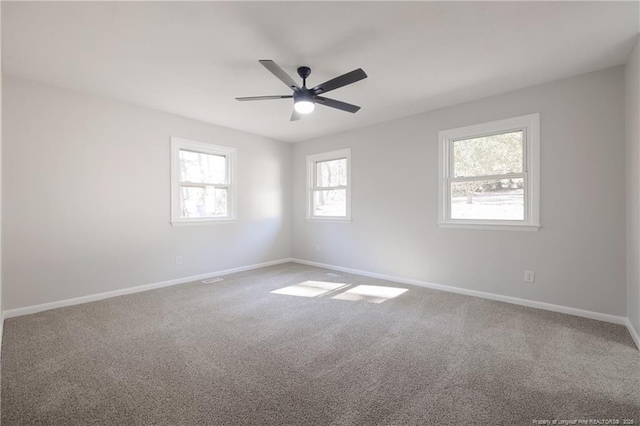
(328, 219)
(203, 221)
(491, 226)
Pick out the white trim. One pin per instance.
(530, 126)
(490, 226)
(229, 153)
(130, 290)
(312, 160)
(633, 333)
(204, 221)
(484, 295)
(328, 219)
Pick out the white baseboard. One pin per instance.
(633, 333)
(93, 297)
(492, 296)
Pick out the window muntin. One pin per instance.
(489, 175)
(202, 182)
(329, 185)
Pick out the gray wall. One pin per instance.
(578, 255)
(633, 186)
(86, 197)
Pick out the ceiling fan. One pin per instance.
(304, 99)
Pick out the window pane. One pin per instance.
(488, 155)
(501, 199)
(199, 167)
(331, 173)
(330, 203)
(203, 202)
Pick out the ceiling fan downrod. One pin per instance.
(304, 72)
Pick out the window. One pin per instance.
(329, 183)
(202, 182)
(489, 175)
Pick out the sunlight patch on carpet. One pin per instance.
(370, 293)
(310, 289)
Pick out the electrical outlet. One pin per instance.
(178, 260)
(529, 276)
(317, 248)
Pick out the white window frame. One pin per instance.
(530, 126)
(312, 161)
(229, 153)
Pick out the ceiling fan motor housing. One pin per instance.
(304, 72)
(303, 95)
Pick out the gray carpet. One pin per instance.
(232, 353)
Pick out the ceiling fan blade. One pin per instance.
(337, 104)
(295, 115)
(279, 72)
(343, 80)
(264, 98)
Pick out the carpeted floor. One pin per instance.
(232, 353)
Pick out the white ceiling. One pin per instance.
(193, 59)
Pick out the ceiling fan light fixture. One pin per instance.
(304, 106)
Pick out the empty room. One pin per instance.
(320, 213)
